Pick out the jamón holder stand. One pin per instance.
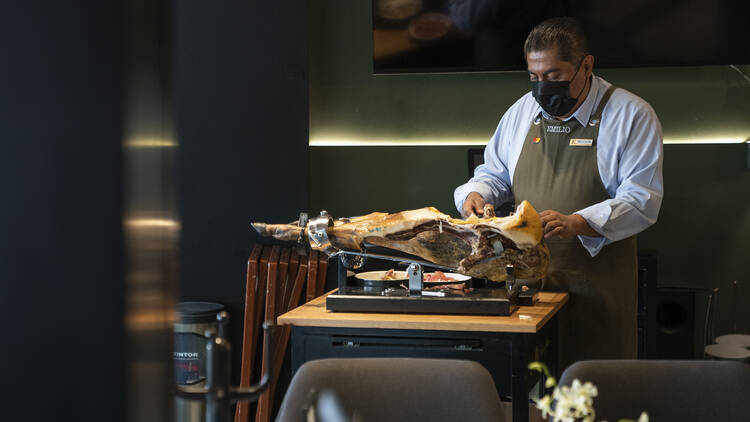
(415, 299)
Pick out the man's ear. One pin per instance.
(588, 64)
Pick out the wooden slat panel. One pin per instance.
(322, 271)
(262, 413)
(298, 285)
(526, 319)
(284, 262)
(285, 331)
(312, 275)
(300, 257)
(260, 295)
(242, 414)
(271, 284)
(294, 261)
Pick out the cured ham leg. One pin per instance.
(478, 247)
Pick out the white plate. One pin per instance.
(742, 340)
(728, 352)
(378, 276)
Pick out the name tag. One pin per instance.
(578, 142)
(558, 129)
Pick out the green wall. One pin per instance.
(703, 232)
(348, 101)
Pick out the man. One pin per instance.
(589, 157)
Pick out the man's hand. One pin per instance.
(473, 204)
(565, 226)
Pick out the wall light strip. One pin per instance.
(150, 143)
(152, 223)
(341, 142)
(707, 141)
(330, 142)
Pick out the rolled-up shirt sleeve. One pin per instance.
(491, 179)
(638, 195)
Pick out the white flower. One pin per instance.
(545, 405)
(571, 403)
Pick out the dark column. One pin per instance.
(242, 121)
(61, 271)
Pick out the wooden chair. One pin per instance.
(275, 279)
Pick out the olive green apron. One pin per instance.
(557, 170)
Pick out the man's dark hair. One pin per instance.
(564, 33)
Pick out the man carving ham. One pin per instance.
(589, 157)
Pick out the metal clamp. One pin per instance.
(317, 232)
(510, 281)
(416, 278)
(400, 259)
(302, 222)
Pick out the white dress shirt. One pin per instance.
(629, 157)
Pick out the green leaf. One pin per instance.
(539, 367)
(551, 382)
(536, 366)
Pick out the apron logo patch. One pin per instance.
(536, 140)
(578, 142)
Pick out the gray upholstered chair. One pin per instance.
(397, 389)
(667, 390)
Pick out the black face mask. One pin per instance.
(554, 96)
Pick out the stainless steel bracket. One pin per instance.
(416, 279)
(510, 282)
(400, 259)
(302, 222)
(317, 232)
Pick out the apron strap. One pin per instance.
(596, 117)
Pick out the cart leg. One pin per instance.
(519, 372)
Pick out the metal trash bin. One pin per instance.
(194, 321)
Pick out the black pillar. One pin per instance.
(61, 272)
(242, 121)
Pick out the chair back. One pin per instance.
(398, 389)
(668, 390)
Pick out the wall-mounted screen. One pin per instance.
(488, 35)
